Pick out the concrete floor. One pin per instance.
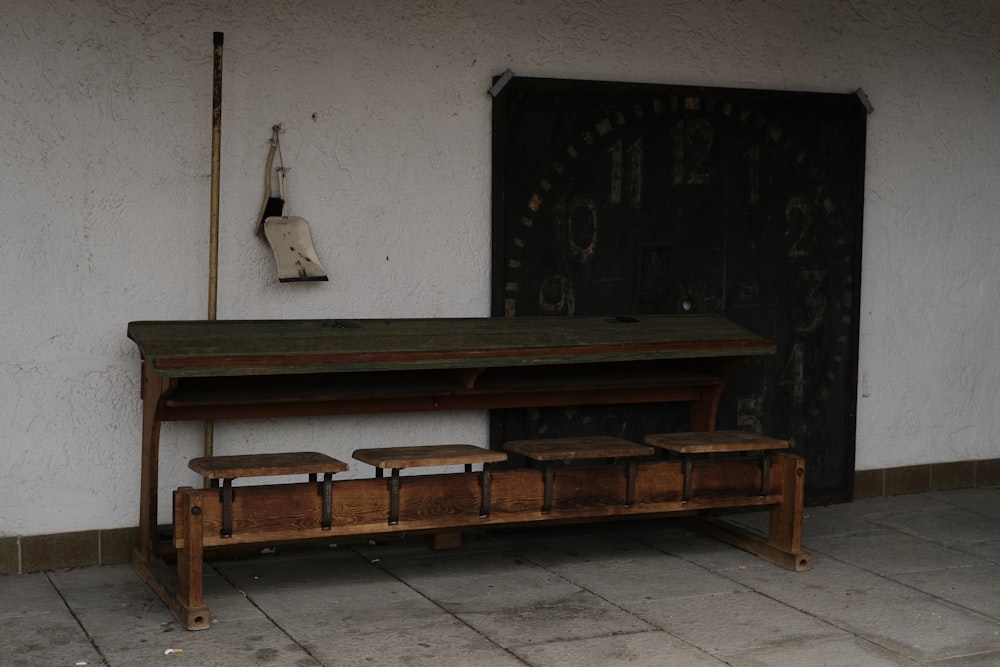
(909, 580)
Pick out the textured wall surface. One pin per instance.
(106, 133)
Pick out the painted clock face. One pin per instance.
(628, 199)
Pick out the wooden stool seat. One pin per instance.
(415, 456)
(691, 445)
(265, 465)
(569, 449)
(550, 450)
(713, 442)
(427, 455)
(228, 468)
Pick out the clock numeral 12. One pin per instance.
(617, 152)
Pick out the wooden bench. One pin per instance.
(228, 468)
(398, 458)
(550, 450)
(707, 443)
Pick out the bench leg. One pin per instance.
(189, 605)
(783, 544)
(785, 526)
(449, 540)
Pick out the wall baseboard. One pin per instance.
(35, 553)
(924, 478)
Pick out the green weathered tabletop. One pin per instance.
(259, 347)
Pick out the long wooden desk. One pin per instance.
(211, 370)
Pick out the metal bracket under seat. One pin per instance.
(229, 468)
(398, 458)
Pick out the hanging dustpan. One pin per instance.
(289, 236)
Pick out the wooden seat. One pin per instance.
(692, 445)
(549, 450)
(415, 456)
(228, 468)
(712, 442)
(265, 465)
(398, 458)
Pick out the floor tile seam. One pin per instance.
(628, 612)
(652, 630)
(267, 616)
(911, 587)
(866, 515)
(762, 530)
(752, 590)
(78, 621)
(848, 632)
(886, 522)
(796, 642)
(987, 559)
(966, 508)
(926, 540)
(388, 571)
(949, 660)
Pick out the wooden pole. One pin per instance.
(213, 245)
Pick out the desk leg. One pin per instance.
(184, 599)
(154, 390)
(785, 526)
(705, 409)
(783, 544)
(181, 591)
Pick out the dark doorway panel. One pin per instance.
(625, 199)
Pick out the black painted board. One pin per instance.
(629, 199)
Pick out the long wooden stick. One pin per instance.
(213, 248)
(213, 245)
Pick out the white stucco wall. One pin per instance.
(105, 128)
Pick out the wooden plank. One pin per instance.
(568, 449)
(277, 396)
(262, 465)
(427, 455)
(712, 442)
(247, 347)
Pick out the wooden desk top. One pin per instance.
(181, 349)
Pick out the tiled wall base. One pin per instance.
(104, 547)
(63, 550)
(930, 477)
